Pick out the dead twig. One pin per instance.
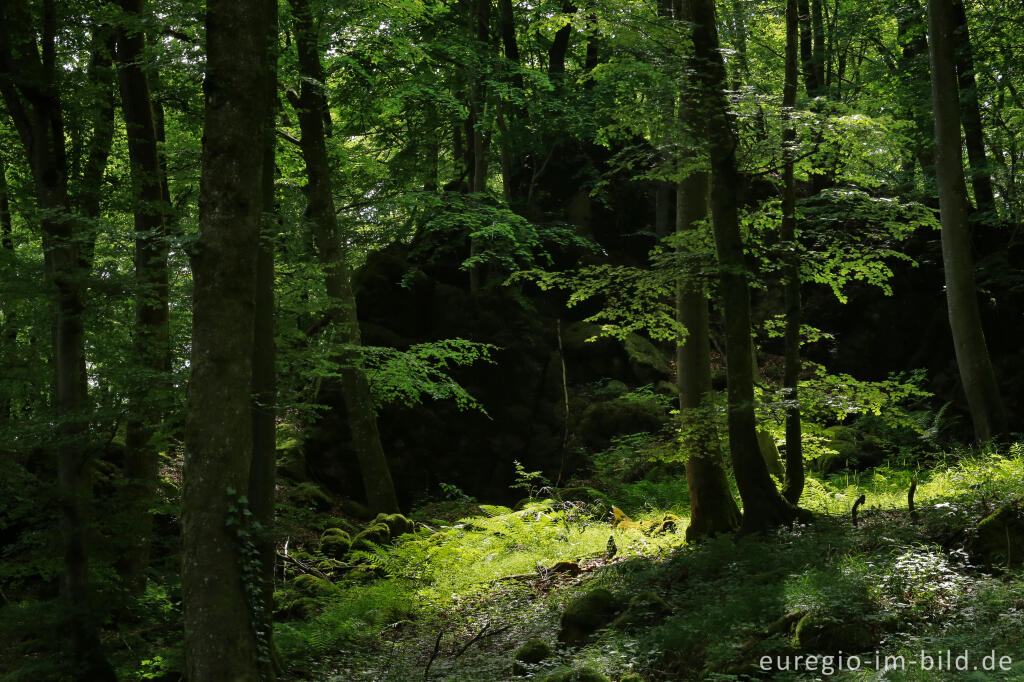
(856, 505)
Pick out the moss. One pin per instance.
(312, 586)
(356, 510)
(335, 543)
(644, 608)
(1000, 539)
(581, 494)
(532, 652)
(820, 634)
(374, 534)
(631, 677)
(669, 523)
(603, 421)
(397, 524)
(642, 352)
(586, 615)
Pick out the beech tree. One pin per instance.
(225, 637)
(972, 358)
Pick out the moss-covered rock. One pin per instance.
(312, 586)
(821, 634)
(645, 359)
(586, 615)
(309, 496)
(1000, 537)
(605, 420)
(644, 608)
(335, 543)
(302, 608)
(669, 523)
(374, 534)
(631, 677)
(396, 523)
(356, 510)
(581, 494)
(532, 652)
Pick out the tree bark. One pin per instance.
(222, 640)
(712, 507)
(811, 82)
(791, 272)
(151, 341)
(976, 373)
(970, 110)
(30, 89)
(763, 506)
(377, 482)
(263, 472)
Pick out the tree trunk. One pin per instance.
(763, 506)
(791, 275)
(263, 472)
(151, 342)
(31, 94)
(818, 56)
(712, 507)
(223, 642)
(380, 490)
(8, 330)
(560, 46)
(970, 109)
(972, 356)
(807, 48)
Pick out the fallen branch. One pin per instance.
(433, 654)
(476, 638)
(305, 569)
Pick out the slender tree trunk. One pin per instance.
(791, 275)
(151, 344)
(380, 490)
(477, 135)
(560, 46)
(263, 472)
(807, 48)
(763, 506)
(712, 507)
(915, 76)
(8, 330)
(970, 110)
(223, 641)
(31, 92)
(972, 356)
(818, 56)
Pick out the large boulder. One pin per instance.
(1000, 537)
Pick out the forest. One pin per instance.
(481, 340)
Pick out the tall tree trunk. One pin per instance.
(8, 330)
(915, 75)
(763, 506)
(263, 472)
(807, 48)
(477, 135)
(972, 356)
(791, 275)
(223, 641)
(560, 46)
(151, 344)
(970, 110)
(31, 92)
(712, 507)
(380, 490)
(818, 56)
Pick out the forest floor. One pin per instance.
(926, 593)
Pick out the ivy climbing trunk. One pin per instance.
(763, 506)
(151, 342)
(791, 271)
(223, 642)
(31, 91)
(972, 357)
(310, 106)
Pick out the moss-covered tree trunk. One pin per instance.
(222, 640)
(976, 373)
(791, 272)
(763, 506)
(31, 90)
(362, 418)
(151, 341)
